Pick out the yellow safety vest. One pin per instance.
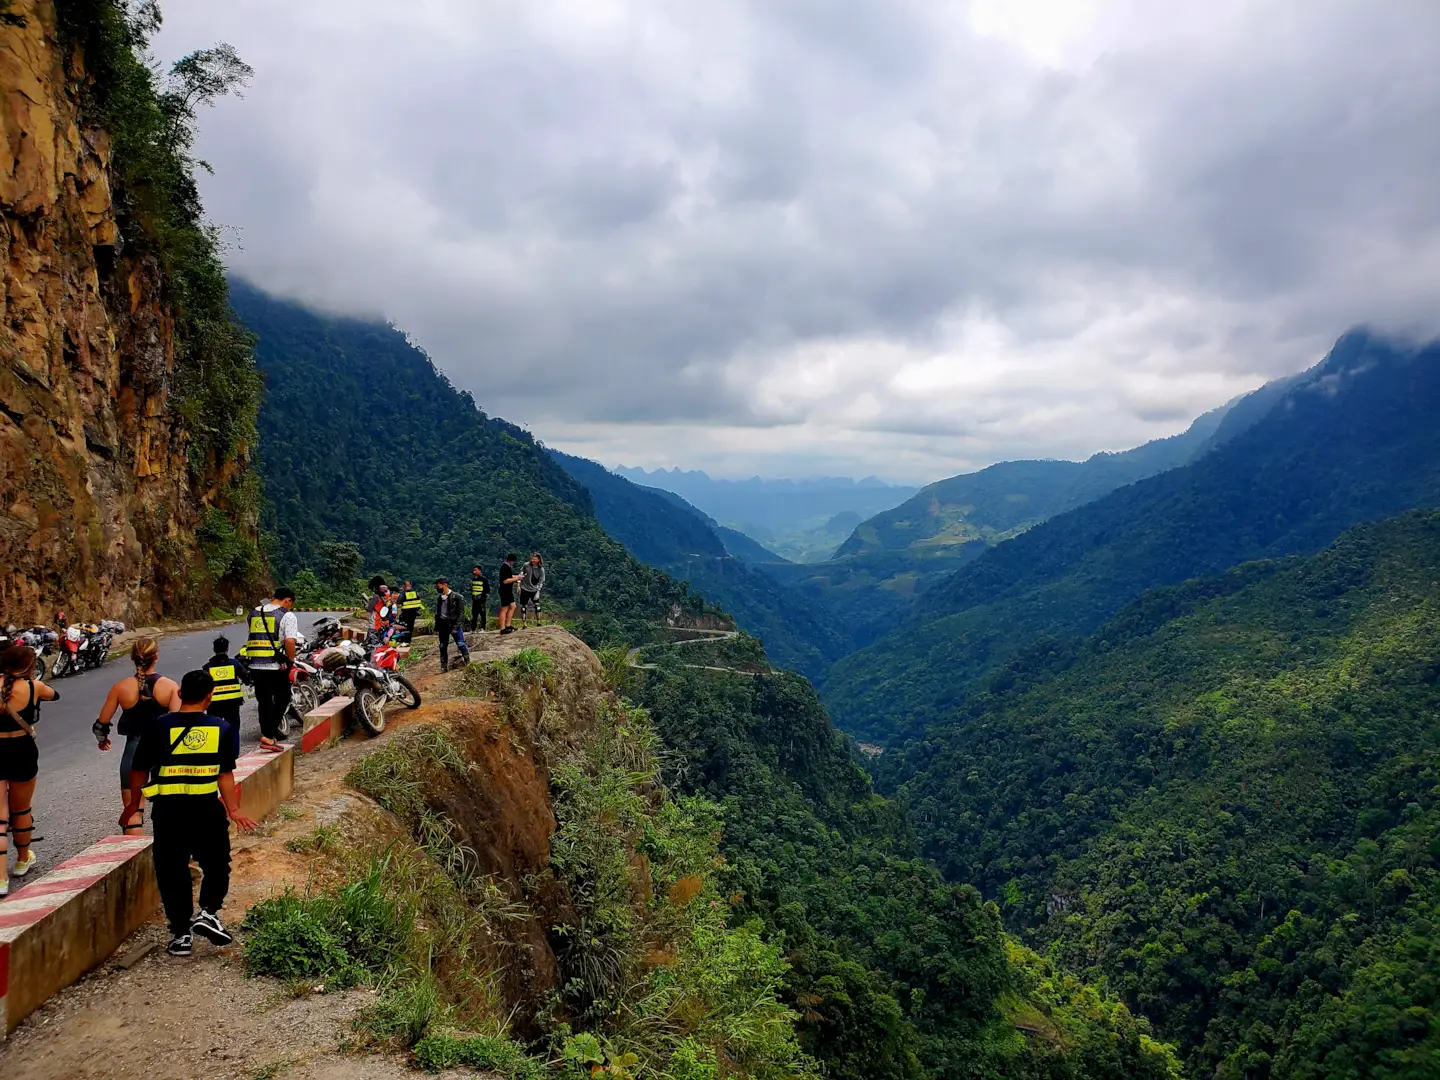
(227, 684)
(193, 766)
(263, 635)
(411, 601)
(477, 586)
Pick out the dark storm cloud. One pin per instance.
(901, 237)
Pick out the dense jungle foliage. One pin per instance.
(1225, 804)
(362, 440)
(151, 120)
(1355, 440)
(894, 972)
(664, 531)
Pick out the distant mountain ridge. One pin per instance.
(789, 517)
(663, 530)
(1354, 439)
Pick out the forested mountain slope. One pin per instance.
(362, 439)
(1354, 440)
(895, 973)
(996, 502)
(664, 531)
(1226, 804)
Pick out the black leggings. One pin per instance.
(477, 613)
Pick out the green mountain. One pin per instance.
(1005, 499)
(895, 974)
(1225, 804)
(363, 440)
(663, 530)
(1354, 440)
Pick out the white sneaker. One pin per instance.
(4, 885)
(25, 862)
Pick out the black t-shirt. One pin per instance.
(507, 588)
(154, 748)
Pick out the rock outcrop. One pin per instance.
(100, 507)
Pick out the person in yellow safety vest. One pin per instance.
(409, 607)
(479, 599)
(270, 652)
(182, 764)
(228, 697)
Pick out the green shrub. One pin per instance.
(291, 938)
(405, 1012)
(504, 1056)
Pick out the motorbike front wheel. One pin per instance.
(404, 692)
(39, 675)
(370, 710)
(61, 667)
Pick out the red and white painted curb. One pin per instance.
(25, 907)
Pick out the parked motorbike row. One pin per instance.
(75, 648)
(327, 665)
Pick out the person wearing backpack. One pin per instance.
(139, 698)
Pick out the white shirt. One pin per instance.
(287, 627)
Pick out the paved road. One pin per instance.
(77, 799)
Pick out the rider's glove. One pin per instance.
(100, 730)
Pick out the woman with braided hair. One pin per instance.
(20, 697)
(140, 698)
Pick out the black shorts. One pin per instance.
(19, 760)
(531, 598)
(507, 597)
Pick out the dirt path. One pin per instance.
(172, 1019)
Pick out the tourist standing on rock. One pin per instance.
(270, 651)
(225, 702)
(449, 619)
(508, 577)
(532, 580)
(479, 598)
(140, 698)
(20, 698)
(182, 764)
(409, 608)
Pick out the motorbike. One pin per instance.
(84, 647)
(375, 678)
(44, 641)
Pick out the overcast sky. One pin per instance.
(893, 237)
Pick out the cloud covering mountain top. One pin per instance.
(903, 237)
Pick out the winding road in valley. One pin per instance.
(77, 799)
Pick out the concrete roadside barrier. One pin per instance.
(264, 781)
(325, 724)
(61, 925)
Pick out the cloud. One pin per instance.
(905, 237)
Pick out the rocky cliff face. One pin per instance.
(100, 507)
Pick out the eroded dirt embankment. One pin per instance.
(168, 1018)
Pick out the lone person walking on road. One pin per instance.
(508, 577)
(182, 764)
(409, 608)
(270, 651)
(225, 702)
(479, 599)
(532, 580)
(449, 619)
(140, 698)
(20, 697)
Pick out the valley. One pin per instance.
(1117, 768)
